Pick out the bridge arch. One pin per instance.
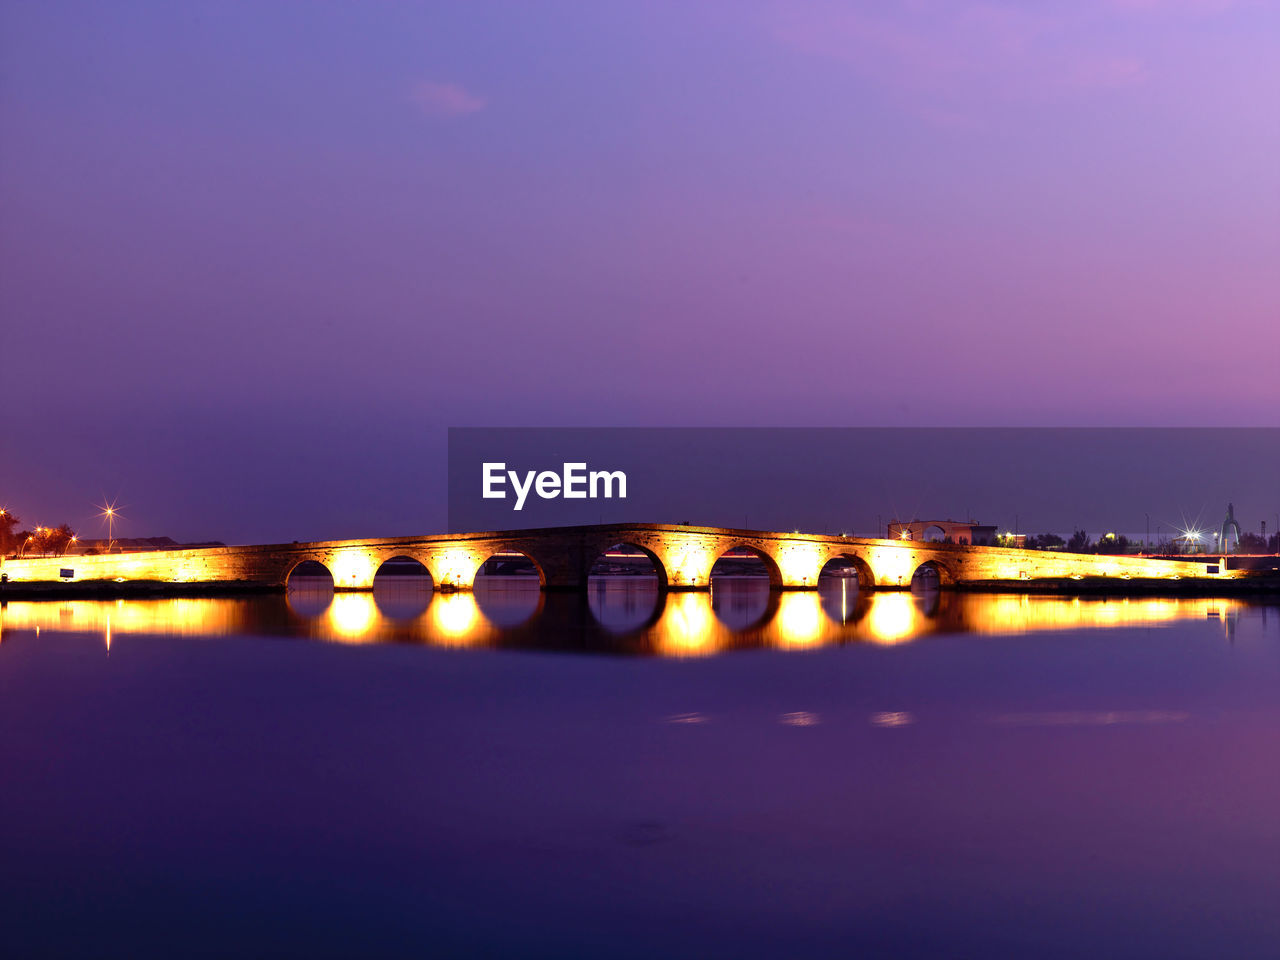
(507, 586)
(848, 564)
(402, 588)
(933, 534)
(402, 569)
(932, 573)
(307, 572)
(308, 588)
(509, 561)
(625, 548)
(742, 549)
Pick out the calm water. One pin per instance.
(626, 775)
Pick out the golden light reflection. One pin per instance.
(454, 619)
(353, 617)
(688, 627)
(892, 618)
(801, 620)
(1003, 613)
(178, 616)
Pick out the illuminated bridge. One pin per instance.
(682, 558)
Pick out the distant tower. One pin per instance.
(1229, 525)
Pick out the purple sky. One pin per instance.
(256, 257)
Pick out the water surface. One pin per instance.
(629, 774)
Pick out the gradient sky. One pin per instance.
(256, 257)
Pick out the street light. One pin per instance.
(110, 513)
(67, 546)
(1193, 539)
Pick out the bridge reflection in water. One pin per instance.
(625, 615)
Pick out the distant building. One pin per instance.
(950, 531)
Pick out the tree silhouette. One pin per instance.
(9, 542)
(1079, 542)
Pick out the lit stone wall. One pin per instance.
(684, 557)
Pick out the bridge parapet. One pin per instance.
(682, 555)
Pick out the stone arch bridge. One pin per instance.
(682, 555)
